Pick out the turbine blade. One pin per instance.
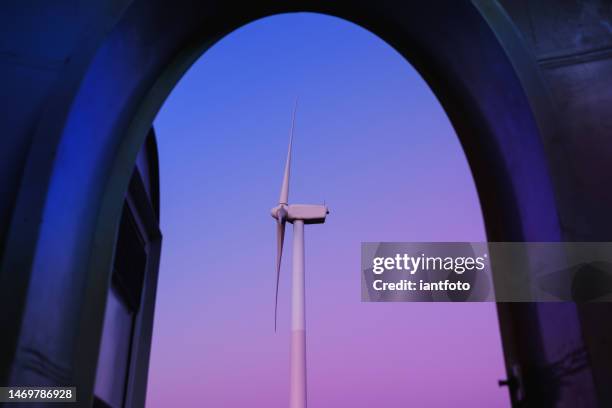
(280, 238)
(284, 194)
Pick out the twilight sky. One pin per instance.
(372, 142)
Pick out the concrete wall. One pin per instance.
(571, 42)
(81, 81)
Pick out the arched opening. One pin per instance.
(86, 144)
(375, 144)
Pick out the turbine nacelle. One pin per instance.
(309, 213)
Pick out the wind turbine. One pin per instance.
(298, 215)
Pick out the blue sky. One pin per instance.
(374, 144)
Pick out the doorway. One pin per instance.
(373, 142)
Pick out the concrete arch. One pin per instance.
(94, 121)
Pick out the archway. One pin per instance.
(374, 143)
(77, 173)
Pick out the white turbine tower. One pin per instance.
(298, 215)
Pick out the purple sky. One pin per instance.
(373, 142)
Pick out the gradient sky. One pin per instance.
(372, 142)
